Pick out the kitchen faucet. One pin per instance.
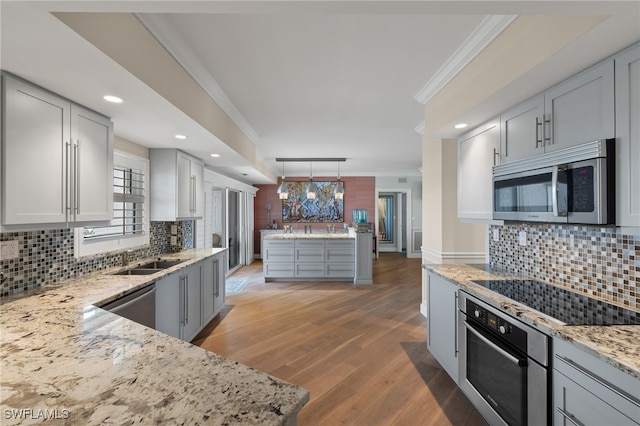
(125, 257)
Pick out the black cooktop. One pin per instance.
(567, 306)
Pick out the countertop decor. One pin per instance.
(617, 345)
(64, 358)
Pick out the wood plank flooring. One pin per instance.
(360, 350)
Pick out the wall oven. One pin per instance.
(503, 365)
(571, 185)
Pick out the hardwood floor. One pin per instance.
(360, 350)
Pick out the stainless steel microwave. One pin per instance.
(570, 185)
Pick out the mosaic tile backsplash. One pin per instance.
(47, 256)
(600, 262)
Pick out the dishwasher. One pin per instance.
(139, 306)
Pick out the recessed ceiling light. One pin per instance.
(460, 126)
(113, 99)
(215, 155)
(180, 137)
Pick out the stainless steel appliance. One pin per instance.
(139, 306)
(571, 185)
(503, 365)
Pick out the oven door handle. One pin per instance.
(513, 359)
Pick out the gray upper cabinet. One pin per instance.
(177, 185)
(478, 152)
(628, 137)
(580, 109)
(57, 159)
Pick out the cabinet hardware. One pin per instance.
(67, 176)
(539, 133)
(496, 153)
(569, 417)
(76, 191)
(215, 277)
(548, 139)
(186, 297)
(455, 328)
(598, 380)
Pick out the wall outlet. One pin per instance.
(174, 229)
(496, 235)
(522, 238)
(174, 241)
(9, 250)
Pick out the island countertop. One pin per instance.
(66, 361)
(618, 346)
(308, 236)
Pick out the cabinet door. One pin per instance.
(36, 148)
(209, 287)
(192, 320)
(522, 128)
(168, 305)
(442, 322)
(184, 209)
(92, 184)
(478, 152)
(628, 137)
(581, 109)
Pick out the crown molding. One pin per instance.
(162, 30)
(490, 28)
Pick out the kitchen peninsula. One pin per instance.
(65, 358)
(329, 256)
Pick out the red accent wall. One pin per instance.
(359, 193)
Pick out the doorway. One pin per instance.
(391, 221)
(233, 226)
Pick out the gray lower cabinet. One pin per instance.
(442, 322)
(340, 259)
(309, 259)
(213, 288)
(584, 393)
(178, 308)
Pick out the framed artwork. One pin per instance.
(323, 209)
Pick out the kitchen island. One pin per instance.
(318, 256)
(64, 359)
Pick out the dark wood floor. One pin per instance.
(360, 350)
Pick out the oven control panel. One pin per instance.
(498, 325)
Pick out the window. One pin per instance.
(129, 227)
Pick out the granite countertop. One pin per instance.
(313, 236)
(64, 358)
(618, 346)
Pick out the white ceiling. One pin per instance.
(302, 79)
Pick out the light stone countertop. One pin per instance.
(64, 358)
(618, 346)
(318, 235)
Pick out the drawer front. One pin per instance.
(340, 270)
(310, 254)
(340, 251)
(278, 251)
(573, 403)
(309, 270)
(278, 270)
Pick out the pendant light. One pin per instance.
(338, 191)
(311, 187)
(283, 194)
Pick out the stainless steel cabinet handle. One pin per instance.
(455, 326)
(598, 380)
(76, 181)
(182, 297)
(186, 298)
(513, 359)
(215, 277)
(538, 132)
(67, 176)
(569, 417)
(193, 193)
(496, 153)
(548, 137)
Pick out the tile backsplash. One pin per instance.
(46, 256)
(600, 262)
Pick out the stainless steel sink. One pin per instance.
(138, 271)
(160, 264)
